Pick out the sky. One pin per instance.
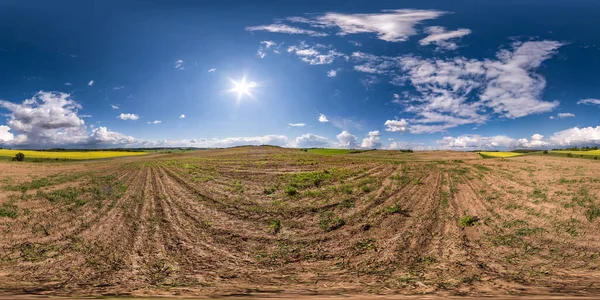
(416, 75)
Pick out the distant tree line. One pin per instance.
(586, 148)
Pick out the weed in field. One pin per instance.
(539, 194)
(158, 271)
(365, 245)
(592, 212)
(394, 209)
(270, 191)
(347, 203)
(9, 210)
(275, 226)
(467, 221)
(330, 222)
(366, 189)
(482, 168)
(291, 191)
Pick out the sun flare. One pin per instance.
(242, 88)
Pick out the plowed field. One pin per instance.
(271, 220)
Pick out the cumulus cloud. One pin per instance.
(114, 106)
(317, 55)
(68, 84)
(396, 125)
(323, 118)
(347, 140)
(442, 38)
(5, 134)
(103, 135)
(331, 73)
(179, 65)
(182, 116)
(91, 83)
(570, 137)
(310, 140)
(589, 101)
(576, 136)
(155, 122)
(297, 124)
(282, 28)
(132, 117)
(373, 141)
(212, 70)
(47, 117)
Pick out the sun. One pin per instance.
(242, 88)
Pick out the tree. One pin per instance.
(19, 157)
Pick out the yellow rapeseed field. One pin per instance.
(74, 155)
(499, 154)
(591, 152)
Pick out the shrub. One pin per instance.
(595, 157)
(467, 221)
(19, 157)
(569, 155)
(545, 151)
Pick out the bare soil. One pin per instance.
(269, 221)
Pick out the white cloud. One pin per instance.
(91, 83)
(347, 140)
(114, 106)
(459, 91)
(323, 118)
(565, 138)
(104, 136)
(314, 56)
(182, 116)
(212, 70)
(589, 101)
(310, 140)
(297, 124)
(132, 117)
(179, 65)
(5, 134)
(282, 28)
(373, 141)
(120, 87)
(576, 136)
(563, 115)
(155, 122)
(68, 84)
(332, 73)
(396, 125)
(440, 37)
(512, 89)
(389, 25)
(46, 118)
(263, 50)
(355, 43)
(471, 142)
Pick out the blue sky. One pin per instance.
(370, 74)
